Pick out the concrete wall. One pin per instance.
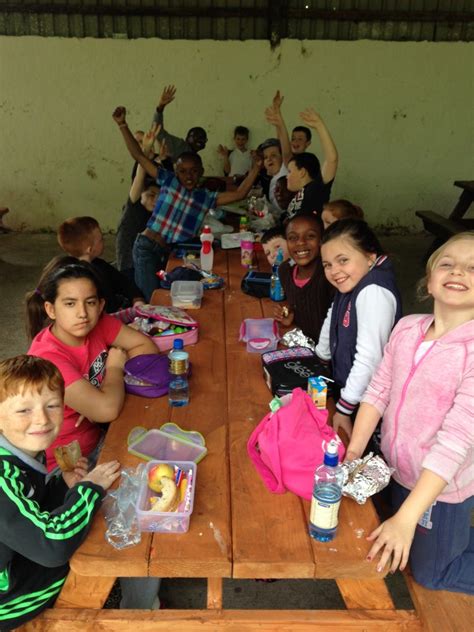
(400, 113)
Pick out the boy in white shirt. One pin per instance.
(237, 161)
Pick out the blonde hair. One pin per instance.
(422, 287)
(25, 372)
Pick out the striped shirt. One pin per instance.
(179, 212)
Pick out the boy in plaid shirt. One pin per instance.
(179, 210)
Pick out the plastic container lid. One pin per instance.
(170, 442)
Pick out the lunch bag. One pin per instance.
(287, 369)
(169, 316)
(256, 284)
(288, 445)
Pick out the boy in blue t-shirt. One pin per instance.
(180, 208)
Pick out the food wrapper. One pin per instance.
(365, 477)
(296, 338)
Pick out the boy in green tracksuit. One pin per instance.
(43, 519)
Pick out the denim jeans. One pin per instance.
(148, 258)
(442, 552)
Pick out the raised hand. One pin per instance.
(223, 151)
(168, 95)
(149, 139)
(119, 115)
(273, 115)
(310, 117)
(277, 100)
(104, 474)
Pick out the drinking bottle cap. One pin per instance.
(178, 344)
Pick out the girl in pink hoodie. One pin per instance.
(424, 388)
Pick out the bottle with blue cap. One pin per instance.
(327, 492)
(276, 288)
(178, 393)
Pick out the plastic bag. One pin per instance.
(120, 512)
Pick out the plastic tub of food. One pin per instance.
(260, 334)
(171, 521)
(186, 294)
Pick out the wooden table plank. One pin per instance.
(268, 530)
(212, 620)
(206, 550)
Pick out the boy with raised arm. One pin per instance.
(195, 140)
(42, 520)
(180, 208)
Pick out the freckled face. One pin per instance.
(30, 420)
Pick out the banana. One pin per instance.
(170, 496)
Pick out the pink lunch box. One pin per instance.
(164, 314)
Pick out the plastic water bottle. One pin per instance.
(178, 390)
(207, 253)
(326, 496)
(276, 289)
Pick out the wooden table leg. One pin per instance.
(368, 594)
(214, 592)
(80, 591)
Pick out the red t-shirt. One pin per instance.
(75, 363)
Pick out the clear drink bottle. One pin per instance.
(276, 289)
(178, 390)
(326, 496)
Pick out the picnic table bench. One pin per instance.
(238, 528)
(445, 227)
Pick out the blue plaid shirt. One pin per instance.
(179, 213)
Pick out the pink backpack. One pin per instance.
(288, 445)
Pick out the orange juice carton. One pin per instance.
(318, 391)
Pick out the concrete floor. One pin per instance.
(22, 257)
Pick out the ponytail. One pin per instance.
(58, 269)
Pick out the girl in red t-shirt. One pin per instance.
(67, 327)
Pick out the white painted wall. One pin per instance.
(401, 115)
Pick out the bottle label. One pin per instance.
(323, 514)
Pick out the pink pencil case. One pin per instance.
(162, 323)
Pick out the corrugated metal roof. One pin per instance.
(406, 20)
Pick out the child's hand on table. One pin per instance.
(393, 538)
(283, 314)
(342, 421)
(104, 474)
(78, 473)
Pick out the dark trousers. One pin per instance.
(442, 553)
(148, 258)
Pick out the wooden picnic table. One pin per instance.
(445, 227)
(238, 528)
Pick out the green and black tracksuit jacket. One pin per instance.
(42, 523)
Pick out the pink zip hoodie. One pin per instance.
(428, 407)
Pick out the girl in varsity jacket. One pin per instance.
(42, 521)
(366, 307)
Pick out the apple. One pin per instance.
(155, 474)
